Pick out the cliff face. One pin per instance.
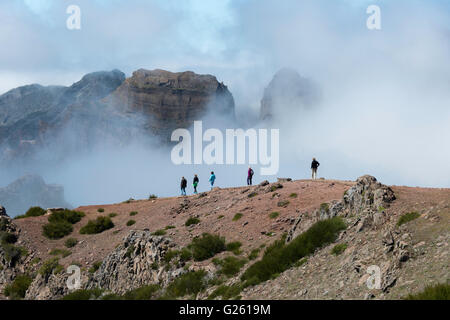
(287, 93)
(172, 100)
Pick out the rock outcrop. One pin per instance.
(29, 191)
(172, 100)
(138, 261)
(288, 93)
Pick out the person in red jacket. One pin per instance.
(250, 176)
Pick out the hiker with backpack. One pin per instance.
(250, 176)
(195, 183)
(314, 165)
(212, 178)
(183, 186)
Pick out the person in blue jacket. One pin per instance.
(212, 178)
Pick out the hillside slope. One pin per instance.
(410, 256)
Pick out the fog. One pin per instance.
(384, 108)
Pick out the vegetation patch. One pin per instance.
(159, 232)
(226, 292)
(252, 194)
(221, 216)
(95, 267)
(237, 216)
(133, 213)
(234, 247)
(60, 223)
(293, 195)
(283, 203)
(12, 253)
(230, 266)
(253, 254)
(407, 217)
(130, 223)
(100, 210)
(274, 215)
(169, 227)
(32, 212)
(71, 242)
(17, 289)
(83, 294)
(97, 226)
(339, 248)
(432, 292)
(279, 256)
(325, 207)
(62, 252)
(50, 266)
(112, 215)
(142, 293)
(152, 197)
(206, 246)
(191, 221)
(187, 284)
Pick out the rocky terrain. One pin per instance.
(410, 256)
(29, 191)
(104, 108)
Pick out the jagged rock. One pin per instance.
(31, 190)
(284, 179)
(264, 183)
(3, 212)
(138, 261)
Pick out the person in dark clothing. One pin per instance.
(183, 186)
(250, 176)
(314, 165)
(195, 183)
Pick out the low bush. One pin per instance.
(159, 232)
(432, 292)
(274, 215)
(207, 246)
(50, 266)
(234, 247)
(152, 197)
(69, 216)
(63, 252)
(237, 216)
(71, 242)
(83, 294)
(57, 230)
(169, 227)
(253, 254)
(11, 252)
(339, 248)
(283, 203)
(188, 283)
(191, 221)
(226, 292)
(6, 237)
(18, 288)
(142, 293)
(112, 215)
(133, 213)
(97, 226)
(130, 223)
(95, 267)
(231, 266)
(280, 256)
(293, 195)
(407, 217)
(100, 210)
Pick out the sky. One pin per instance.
(386, 97)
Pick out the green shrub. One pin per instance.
(112, 215)
(6, 237)
(100, 210)
(275, 187)
(226, 292)
(49, 266)
(95, 267)
(293, 195)
(432, 292)
(18, 288)
(66, 215)
(170, 254)
(159, 232)
(12, 253)
(63, 252)
(130, 223)
(35, 212)
(152, 197)
(169, 227)
(339, 248)
(185, 255)
(4, 223)
(207, 246)
(188, 283)
(283, 203)
(133, 213)
(252, 194)
(83, 294)
(97, 226)
(57, 230)
(407, 217)
(142, 293)
(234, 247)
(325, 207)
(237, 216)
(274, 214)
(191, 221)
(221, 216)
(280, 256)
(253, 254)
(71, 242)
(231, 265)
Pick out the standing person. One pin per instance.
(250, 176)
(183, 186)
(314, 165)
(212, 178)
(195, 183)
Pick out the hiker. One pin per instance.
(212, 178)
(250, 176)
(195, 183)
(183, 186)
(314, 165)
